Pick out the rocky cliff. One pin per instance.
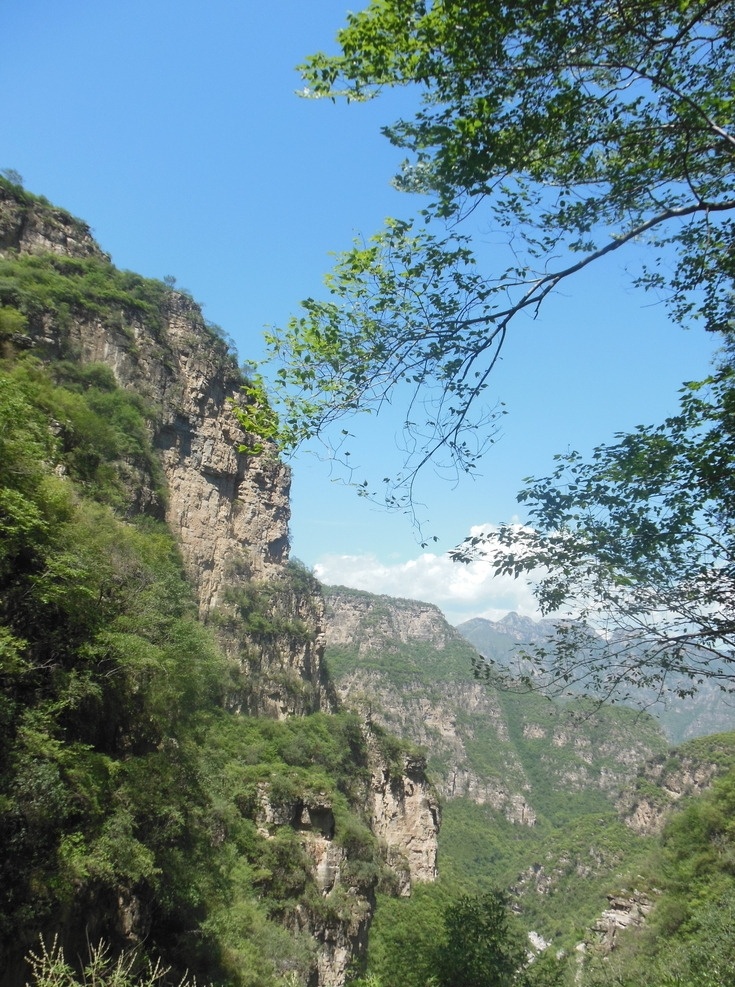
(667, 781)
(222, 503)
(229, 511)
(528, 786)
(404, 666)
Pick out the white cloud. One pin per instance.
(460, 591)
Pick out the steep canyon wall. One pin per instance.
(230, 514)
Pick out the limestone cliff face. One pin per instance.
(442, 723)
(410, 672)
(37, 227)
(663, 783)
(357, 619)
(229, 510)
(400, 663)
(221, 502)
(230, 513)
(406, 817)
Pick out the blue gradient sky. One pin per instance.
(174, 130)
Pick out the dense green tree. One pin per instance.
(405, 937)
(569, 131)
(480, 948)
(440, 937)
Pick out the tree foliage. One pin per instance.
(481, 949)
(637, 545)
(568, 131)
(444, 938)
(123, 777)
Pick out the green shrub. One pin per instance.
(49, 968)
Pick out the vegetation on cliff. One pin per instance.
(137, 807)
(133, 802)
(690, 938)
(568, 763)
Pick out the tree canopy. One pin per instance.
(572, 129)
(480, 947)
(568, 131)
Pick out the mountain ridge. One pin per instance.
(708, 711)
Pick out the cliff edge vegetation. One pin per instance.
(148, 610)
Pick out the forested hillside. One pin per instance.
(148, 611)
(569, 809)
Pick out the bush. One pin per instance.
(49, 968)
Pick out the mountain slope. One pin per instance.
(569, 809)
(707, 711)
(174, 773)
(529, 786)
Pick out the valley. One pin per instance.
(211, 761)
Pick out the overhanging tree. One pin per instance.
(572, 129)
(638, 546)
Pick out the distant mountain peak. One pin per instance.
(516, 626)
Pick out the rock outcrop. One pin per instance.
(229, 511)
(663, 783)
(627, 910)
(402, 665)
(406, 817)
(341, 931)
(32, 225)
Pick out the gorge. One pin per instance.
(228, 513)
(208, 757)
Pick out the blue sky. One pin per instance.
(173, 128)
